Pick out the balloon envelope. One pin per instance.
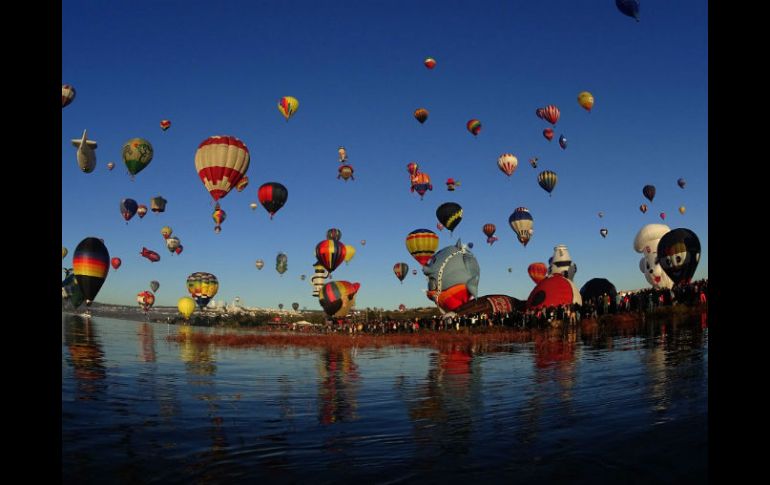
(137, 154)
(679, 254)
(221, 162)
(449, 214)
(202, 287)
(272, 196)
(597, 287)
(629, 8)
(186, 306)
(537, 271)
(91, 264)
(649, 192)
(288, 105)
(422, 244)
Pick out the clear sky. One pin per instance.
(356, 67)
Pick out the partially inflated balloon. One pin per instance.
(137, 154)
(422, 244)
(330, 254)
(116, 262)
(91, 264)
(547, 180)
(586, 100)
(507, 163)
(288, 106)
(449, 214)
(186, 306)
(679, 254)
(421, 114)
(629, 8)
(537, 271)
(521, 222)
(128, 208)
(474, 126)
(649, 192)
(272, 196)
(202, 287)
(67, 94)
(221, 162)
(401, 270)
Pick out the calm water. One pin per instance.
(580, 407)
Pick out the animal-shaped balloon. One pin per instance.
(561, 263)
(453, 277)
(679, 254)
(646, 243)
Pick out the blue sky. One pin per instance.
(356, 68)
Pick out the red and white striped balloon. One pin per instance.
(221, 162)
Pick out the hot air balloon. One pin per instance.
(186, 306)
(288, 106)
(253, 206)
(422, 244)
(430, 62)
(451, 184)
(401, 270)
(663, 215)
(643, 208)
(281, 263)
(116, 262)
(421, 114)
(649, 192)
(330, 254)
(145, 299)
(601, 214)
(158, 204)
(533, 162)
(563, 142)
(350, 251)
(302, 277)
(128, 208)
(64, 252)
(521, 222)
(334, 234)
(219, 217)
(363, 242)
(681, 183)
(110, 165)
(507, 162)
(90, 265)
(537, 271)
(154, 285)
(242, 183)
(681, 209)
(547, 180)
(295, 306)
(551, 114)
(179, 249)
(555, 290)
(474, 126)
(149, 254)
(338, 297)
(679, 254)
(412, 168)
(439, 226)
(402, 307)
(629, 8)
(449, 214)
(586, 100)
(166, 232)
(272, 196)
(202, 287)
(137, 154)
(414, 272)
(67, 94)
(342, 154)
(548, 134)
(421, 183)
(539, 113)
(489, 231)
(603, 232)
(141, 210)
(510, 270)
(259, 264)
(172, 243)
(221, 162)
(345, 172)
(165, 124)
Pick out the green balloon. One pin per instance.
(137, 154)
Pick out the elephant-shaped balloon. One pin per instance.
(453, 277)
(646, 243)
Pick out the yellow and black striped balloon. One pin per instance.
(449, 214)
(547, 180)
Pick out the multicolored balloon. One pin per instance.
(272, 196)
(412, 168)
(430, 62)
(401, 270)
(67, 94)
(288, 106)
(489, 231)
(507, 163)
(521, 222)
(421, 184)
(586, 100)
(202, 287)
(221, 162)
(451, 184)
(334, 234)
(128, 208)
(345, 172)
(141, 210)
(533, 162)
(679, 254)
(421, 114)
(219, 217)
(537, 271)
(90, 265)
(453, 277)
(116, 262)
(165, 124)
(330, 254)
(474, 126)
(166, 232)
(422, 244)
(137, 154)
(449, 214)
(338, 297)
(547, 180)
(146, 300)
(242, 184)
(172, 244)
